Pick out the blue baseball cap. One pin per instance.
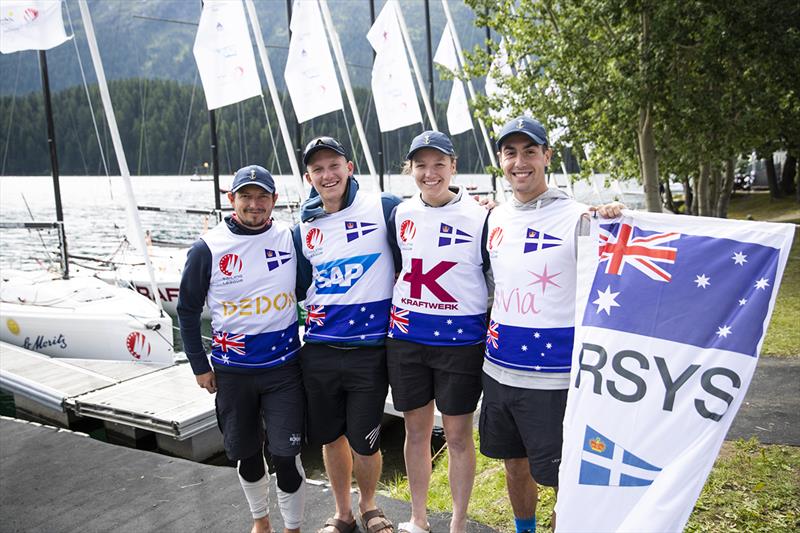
(323, 143)
(525, 125)
(253, 175)
(432, 139)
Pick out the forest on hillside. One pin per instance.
(164, 127)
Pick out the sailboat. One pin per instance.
(59, 315)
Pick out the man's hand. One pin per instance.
(485, 202)
(612, 210)
(207, 381)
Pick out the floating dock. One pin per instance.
(58, 480)
(133, 400)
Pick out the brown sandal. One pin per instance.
(376, 514)
(334, 525)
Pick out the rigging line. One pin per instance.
(11, 116)
(478, 147)
(243, 160)
(77, 140)
(271, 136)
(141, 128)
(38, 232)
(186, 130)
(89, 98)
(353, 154)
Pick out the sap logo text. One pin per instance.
(631, 366)
(337, 277)
(258, 305)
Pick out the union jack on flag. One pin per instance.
(491, 334)
(316, 315)
(623, 244)
(398, 318)
(225, 342)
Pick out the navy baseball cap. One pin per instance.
(253, 175)
(525, 125)
(432, 139)
(323, 143)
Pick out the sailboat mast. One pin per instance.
(111, 119)
(430, 52)
(51, 143)
(212, 126)
(381, 156)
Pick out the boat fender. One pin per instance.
(153, 325)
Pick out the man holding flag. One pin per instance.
(532, 249)
(345, 262)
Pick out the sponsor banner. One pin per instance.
(671, 315)
(31, 25)
(224, 54)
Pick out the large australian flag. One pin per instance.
(671, 312)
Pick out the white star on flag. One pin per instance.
(743, 301)
(524, 348)
(363, 309)
(435, 333)
(351, 321)
(739, 258)
(460, 331)
(702, 281)
(536, 335)
(371, 316)
(762, 284)
(449, 322)
(723, 331)
(548, 345)
(606, 300)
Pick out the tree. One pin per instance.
(676, 89)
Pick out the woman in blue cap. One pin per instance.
(437, 327)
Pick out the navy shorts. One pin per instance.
(345, 393)
(419, 373)
(252, 404)
(517, 423)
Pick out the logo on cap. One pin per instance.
(252, 173)
(427, 139)
(519, 123)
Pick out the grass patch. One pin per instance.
(758, 205)
(783, 335)
(752, 487)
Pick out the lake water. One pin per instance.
(95, 217)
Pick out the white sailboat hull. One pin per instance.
(167, 266)
(82, 318)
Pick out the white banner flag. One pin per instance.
(310, 75)
(31, 25)
(392, 85)
(224, 54)
(459, 119)
(499, 67)
(671, 317)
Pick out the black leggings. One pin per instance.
(289, 479)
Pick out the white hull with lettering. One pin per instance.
(83, 318)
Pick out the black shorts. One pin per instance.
(345, 394)
(419, 373)
(518, 423)
(250, 404)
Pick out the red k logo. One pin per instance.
(417, 278)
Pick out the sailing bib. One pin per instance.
(532, 253)
(352, 270)
(251, 297)
(440, 296)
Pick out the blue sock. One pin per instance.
(525, 524)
